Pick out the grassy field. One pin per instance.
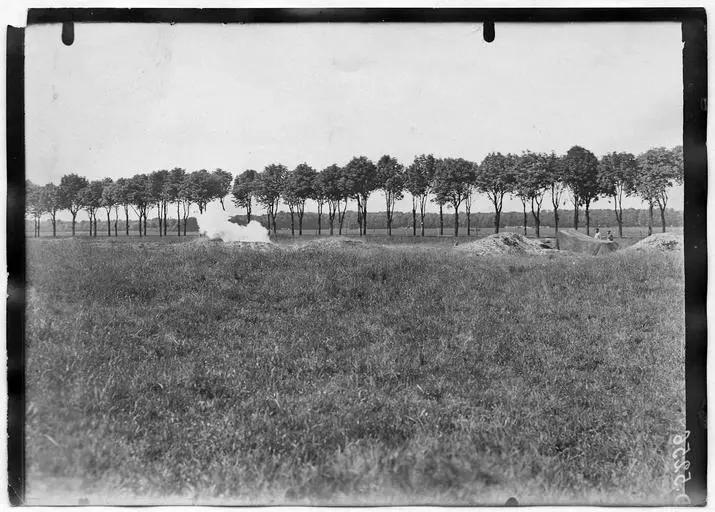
(206, 373)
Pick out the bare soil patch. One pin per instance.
(576, 242)
(504, 243)
(331, 243)
(252, 246)
(663, 242)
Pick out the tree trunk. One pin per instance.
(166, 207)
(145, 223)
(292, 224)
(537, 222)
(248, 213)
(109, 224)
(178, 220)
(497, 219)
(388, 214)
(320, 215)
(364, 217)
(619, 218)
(662, 218)
(359, 214)
(575, 217)
(186, 218)
(341, 216)
(126, 221)
(456, 222)
(523, 204)
(422, 221)
(161, 225)
(441, 221)
(588, 220)
(74, 222)
(469, 222)
(116, 221)
(650, 219)
(414, 219)
(300, 223)
(556, 220)
(54, 227)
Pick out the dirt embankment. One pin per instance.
(504, 243)
(572, 240)
(321, 244)
(251, 246)
(664, 242)
(328, 244)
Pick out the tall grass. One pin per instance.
(353, 376)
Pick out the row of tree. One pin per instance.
(481, 222)
(140, 193)
(531, 177)
(578, 177)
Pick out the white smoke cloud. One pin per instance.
(214, 224)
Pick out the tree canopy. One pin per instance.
(581, 175)
(495, 178)
(447, 181)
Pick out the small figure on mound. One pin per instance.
(597, 235)
(609, 236)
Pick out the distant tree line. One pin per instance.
(577, 179)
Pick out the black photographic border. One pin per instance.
(693, 22)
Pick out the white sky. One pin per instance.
(128, 98)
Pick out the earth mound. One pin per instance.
(251, 246)
(572, 240)
(504, 243)
(659, 242)
(330, 243)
